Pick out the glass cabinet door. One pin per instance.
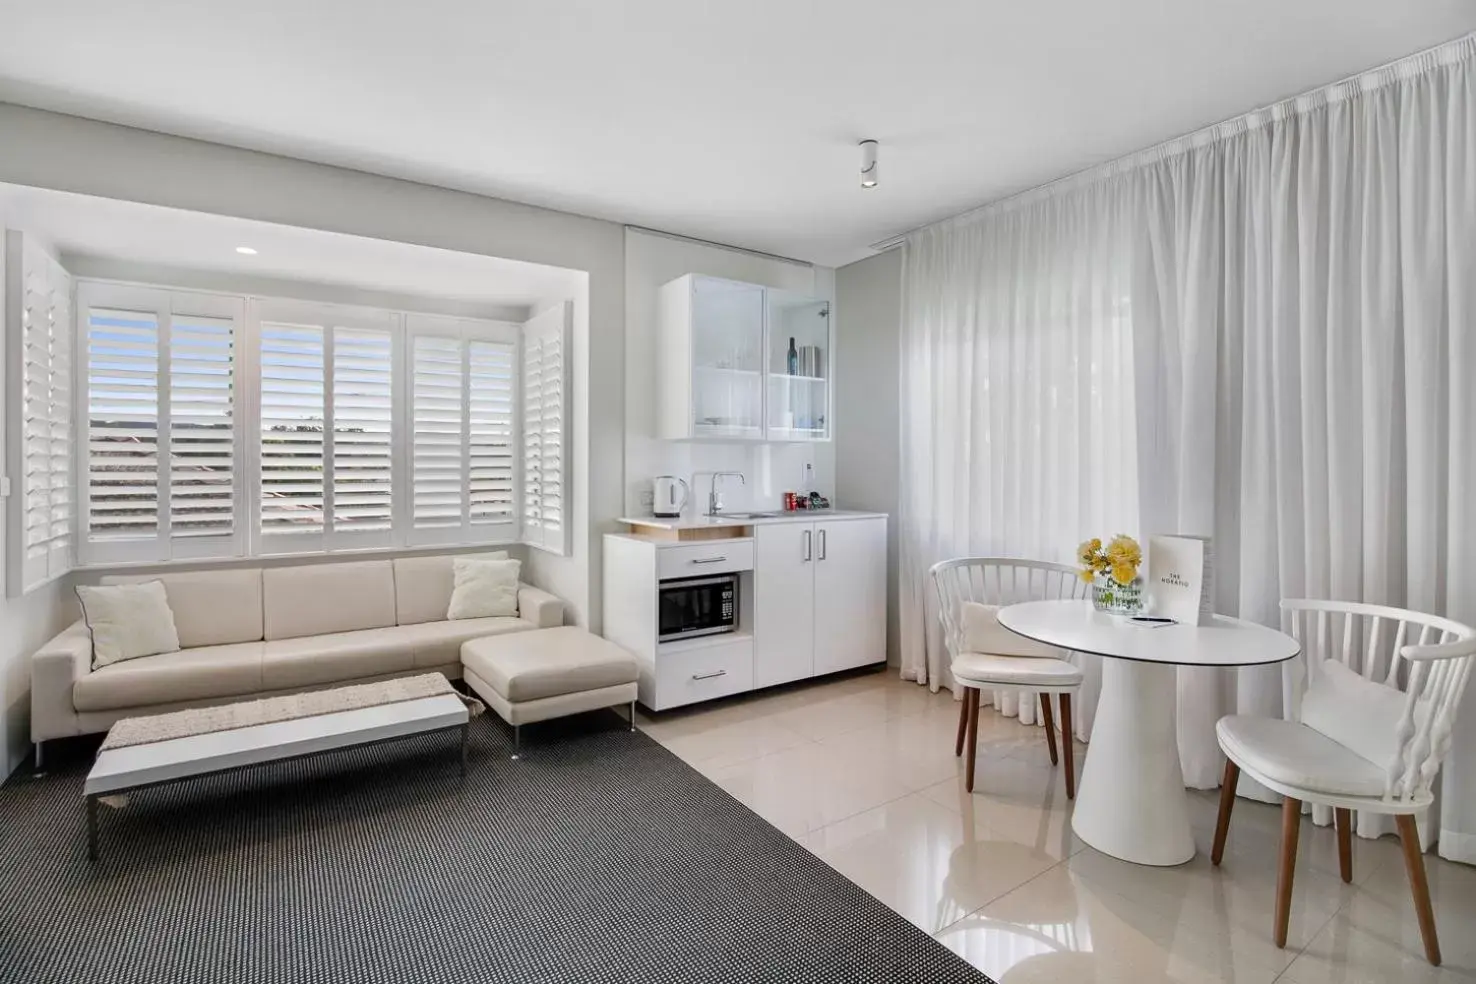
(799, 367)
(727, 359)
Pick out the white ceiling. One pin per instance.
(733, 121)
(147, 236)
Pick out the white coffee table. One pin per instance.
(119, 770)
(1131, 801)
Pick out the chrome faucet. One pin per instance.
(714, 497)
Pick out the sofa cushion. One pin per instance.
(190, 674)
(127, 621)
(548, 662)
(423, 586)
(308, 661)
(322, 599)
(211, 608)
(435, 644)
(484, 588)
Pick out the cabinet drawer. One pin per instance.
(714, 557)
(704, 672)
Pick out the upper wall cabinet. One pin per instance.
(738, 361)
(798, 365)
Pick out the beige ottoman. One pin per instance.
(533, 676)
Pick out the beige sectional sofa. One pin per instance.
(266, 631)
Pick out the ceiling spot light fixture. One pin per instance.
(868, 163)
(246, 250)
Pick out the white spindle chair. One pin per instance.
(1006, 581)
(1428, 658)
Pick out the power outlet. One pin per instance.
(648, 499)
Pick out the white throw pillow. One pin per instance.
(128, 621)
(1361, 715)
(484, 588)
(982, 633)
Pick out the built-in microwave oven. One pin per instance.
(697, 606)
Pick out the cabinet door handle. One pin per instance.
(822, 544)
(806, 557)
(708, 560)
(709, 676)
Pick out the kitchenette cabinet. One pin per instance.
(820, 598)
(810, 600)
(737, 361)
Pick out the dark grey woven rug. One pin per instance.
(597, 857)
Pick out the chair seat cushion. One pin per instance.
(983, 669)
(548, 663)
(1294, 755)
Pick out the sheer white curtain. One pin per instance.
(1291, 299)
(1017, 389)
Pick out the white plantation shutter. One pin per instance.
(438, 435)
(42, 500)
(545, 435)
(161, 475)
(490, 448)
(461, 430)
(326, 449)
(363, 449)
(122, 429)
(202, 441)
(292, 408)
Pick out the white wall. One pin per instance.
(868, 306)
(770, 469)
(66, 153)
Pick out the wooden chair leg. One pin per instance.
(1291, 828)
(1414, 863)
(1068, 747)
(972, 738)
(963, 723)
(1344, 821)
(1227, 803)
(1050, 725)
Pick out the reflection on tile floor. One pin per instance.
(861, 771)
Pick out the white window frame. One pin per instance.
(465, 331)
(261, 310)
(247, 539)
(161, 547)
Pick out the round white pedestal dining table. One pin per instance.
(1131, 801)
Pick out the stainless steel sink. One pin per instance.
(748, 515)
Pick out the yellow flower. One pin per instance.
(1087, 575)
(1088, 550)
(1124, 550)
(1124, 573)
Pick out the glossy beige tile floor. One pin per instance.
(861, 772)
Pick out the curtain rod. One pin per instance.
(731, 249)
(1406, 66)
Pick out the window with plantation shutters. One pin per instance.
(223, 426)
(162, 477)
(462, 430)
(41, 504)
(545, 503)
(326, 453)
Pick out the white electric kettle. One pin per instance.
(669, 497)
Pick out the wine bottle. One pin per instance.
(793, 358)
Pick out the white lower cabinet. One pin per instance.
(820, 598)
(783, 603)
(703, 672)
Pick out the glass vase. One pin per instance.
(1117, 599)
